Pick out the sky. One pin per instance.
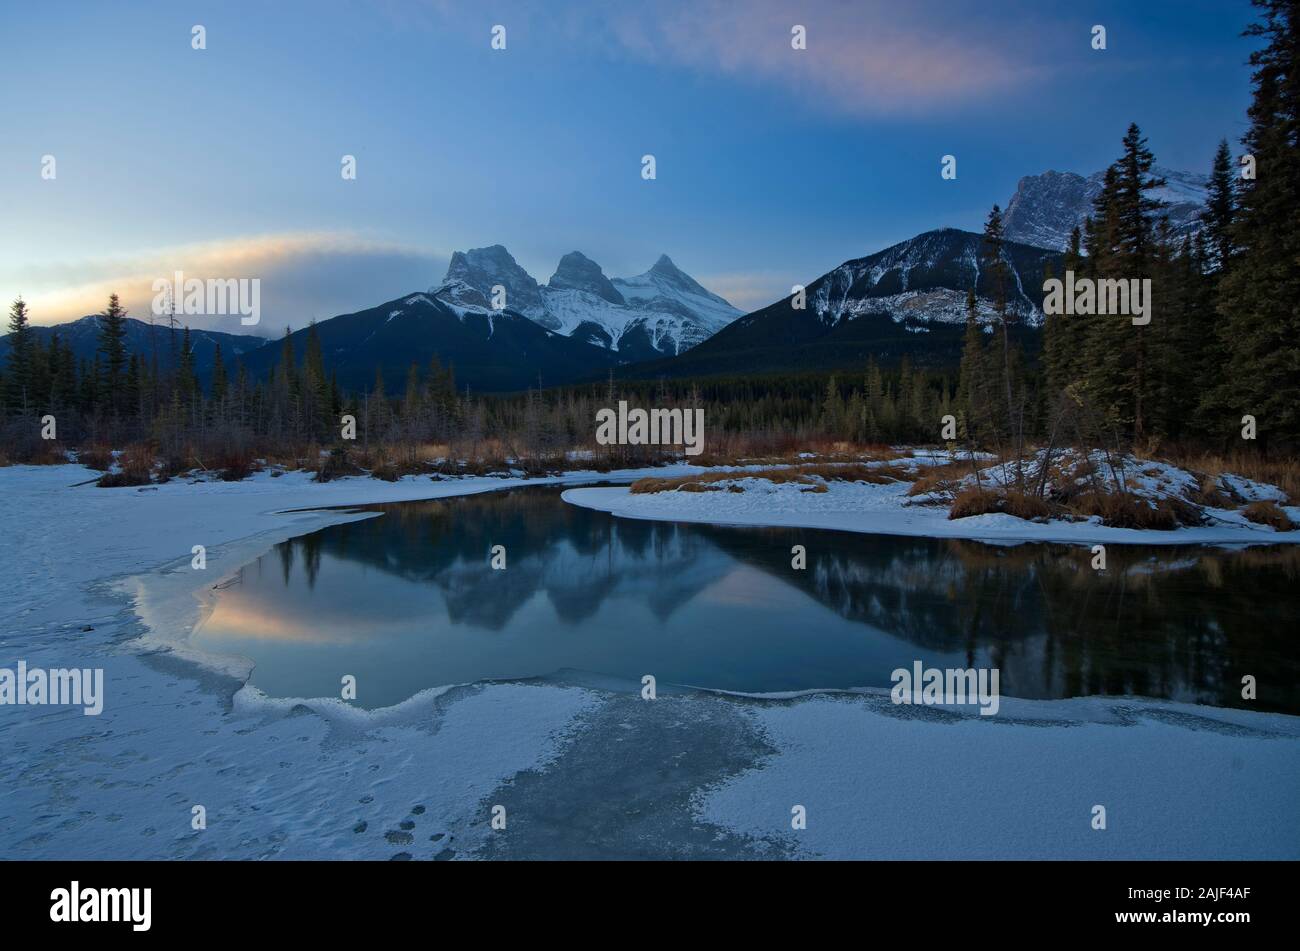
(773, 164)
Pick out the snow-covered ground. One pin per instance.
(1176, 781)
(102, 578)
(888, 510)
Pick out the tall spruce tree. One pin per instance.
(1260, 285)
(1122, 247)
(1220, 207)
(995, 266)
(187, 382)
(220, 384)
(972, 407)
(112, 347)
(18, 372)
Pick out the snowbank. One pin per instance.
(102, 578)
(1176, 782)
(887, 510)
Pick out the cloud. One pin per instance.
(303, 275)
(865, 58)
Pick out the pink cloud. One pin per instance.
(867, 58)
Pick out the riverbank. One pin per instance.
(100, 578)
(919, 496)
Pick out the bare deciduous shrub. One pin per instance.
(21, 444)
(96, 457)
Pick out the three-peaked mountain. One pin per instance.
(662, 312)
(500, 330)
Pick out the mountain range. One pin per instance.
(146, 339)
(662, 312)
(488, 349)
(501, 330)
(909, 299)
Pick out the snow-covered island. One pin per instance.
(915, 492)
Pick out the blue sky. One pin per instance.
(774, 165)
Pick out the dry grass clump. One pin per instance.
(704, 482)
(135, 463)
(236, 463)
(96, 457)
(1123, 510)
(44, 452)
(974, 501)
(729, 449)
(944, 478)
(1213, 493)
(1281, 472)
(813, 477)
(336, 465)
(390, 469)
(700, 487)
(857, 472)
(1269, 513)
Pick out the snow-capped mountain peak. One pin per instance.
(659, 313)
(1047, 207)
(668, 289)
(578, 272)
(669, 274)
(484, 268)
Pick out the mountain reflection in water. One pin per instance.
(407, 600)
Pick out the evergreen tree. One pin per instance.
(1122, 246)
(1064, 335)
(88, 386)
(1260, 286)
(112, 346)
(130, 397)
(873, 400)
(187, 382)
(832, 409)
(19, 369)
(995, 266)
(972, 410)
(59, 391)
(220, 385)
(1221, 207)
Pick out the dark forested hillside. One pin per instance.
(907, 300)
(489, 351)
